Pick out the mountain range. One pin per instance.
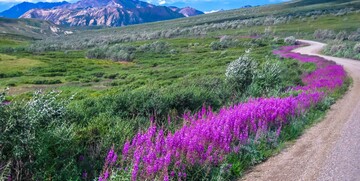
(19, 9)
(101, 12)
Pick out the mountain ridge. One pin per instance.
(109, 13)
(21, 8)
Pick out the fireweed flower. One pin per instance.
(206, 137)
(110, 161)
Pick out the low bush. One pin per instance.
(357, 48)
(36, 140)
(267, 79)
(98, 74)
(337, 47)
(324, 34)
(242, 71)
(45, 81)
(224, 42)
(157, 47)
(343, 49)
(290, 40)
(112, 76)
(11, 74)
(354, 36)
(120, 52)
(116, 52)
(96, 53)
(342, 35)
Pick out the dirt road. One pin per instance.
(328, 151)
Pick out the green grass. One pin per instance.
(154, 69)
(6, 42)
(10, 63)
(147, 70)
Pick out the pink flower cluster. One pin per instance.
(110, 161)
(328, 75)
(206, 138)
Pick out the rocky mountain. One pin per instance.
(19, 9)
(187, 11)
(107, 13)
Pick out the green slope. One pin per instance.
(28, 28)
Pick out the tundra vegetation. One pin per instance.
(341, 44)
(116, 106)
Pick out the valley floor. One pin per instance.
(328, 151)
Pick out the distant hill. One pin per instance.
(108, 13)
(187, 11)
(314, 2)
(35, 29)
(19, 9)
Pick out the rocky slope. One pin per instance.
(107, 13)
(30, 28)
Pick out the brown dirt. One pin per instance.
(329, 150)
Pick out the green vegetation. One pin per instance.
(343, 44)
(27, 29)
(158, 85)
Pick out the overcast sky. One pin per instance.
(204, 5)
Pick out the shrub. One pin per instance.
(357, 48)
(355, 36)
(116, 52)
(112, 76)
(45, 82)
(241, 72)
(324, 34)
(122, 55)
(98, 74)
(223, 43)
(336, 47)
(342, 35)
(11, 74)
(173, 51)
(290, 40)
(24, 126)
(7, 50)
(96, 53)
(267, 79)
(226, 38)
(157, 47)
(268, 31)
(343, 49)
(120, 52)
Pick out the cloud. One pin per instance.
(212, 11)
(162, 2)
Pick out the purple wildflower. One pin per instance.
(208, 137)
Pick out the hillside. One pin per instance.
(29, 28)
(241, 20)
